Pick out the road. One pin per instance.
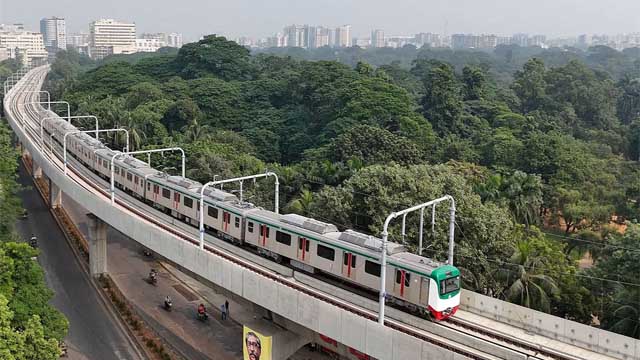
(93, 332)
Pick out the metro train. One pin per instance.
(418, 284)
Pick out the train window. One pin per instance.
(326, 252)
(237, 222)
(283, 238)
(176, 197)
(129, 177)
(188, 202)
(306, 244)
(212, 212)
(148, 186)
(166, 193)
(135, 180)
(345, 259)
(156, 189)
(372, 268)
(117, 170)
(449, 285)
(250, 226)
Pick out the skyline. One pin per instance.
(256, 19)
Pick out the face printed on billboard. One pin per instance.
(256, 346)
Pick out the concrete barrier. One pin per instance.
(571, 332)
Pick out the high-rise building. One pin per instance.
(148, 44)
(520, 40)
(174, 40)
(342, 36)
(297, 35)
(428, 39)
(377, 38)
(27, 46)
(317, 37)
(107, 37)
(54, 32)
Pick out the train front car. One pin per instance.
(444, 292)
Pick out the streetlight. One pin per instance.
(240, 180)
(89, 131)
(385, 237)
(113, 158)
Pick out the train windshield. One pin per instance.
(449, 285)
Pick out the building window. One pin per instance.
(283, 238)
(345, 259)
(237, 221)
(166, 193)
(326, 252)
(250, 226)
(188, 202)
(212, 212)
(372, 268)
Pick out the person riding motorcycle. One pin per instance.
(202, 312)
(33, 241)
(153, 275)
(167, 302)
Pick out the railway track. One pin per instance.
(519, 349)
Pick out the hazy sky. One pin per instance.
(261, 18)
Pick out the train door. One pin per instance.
(424, 291)
(403, 281)
(349, 265)
(156, 191)
(226, 219)
(176, 200)
(303, 249)
(264, 235)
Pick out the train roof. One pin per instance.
(218, 195)
(367, 241)
(308, 223)
(416, 261)
(90, 141)
(106, 153)
(184, 183)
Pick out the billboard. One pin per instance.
(255, 345)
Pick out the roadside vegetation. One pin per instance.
(538, 147)
(30, 328)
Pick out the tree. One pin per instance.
(529, 84)
(143, 93)
(214, 55)
(474, 83)
(442, 102)
(525, 278)
(374, 146)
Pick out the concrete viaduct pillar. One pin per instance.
(97, 245)
(36, 170)
(55, 195)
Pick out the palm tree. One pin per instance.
(625, 319)
(526, 284)
(194, 131)
(302, 204)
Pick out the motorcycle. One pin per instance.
(153, 277)
(33, 242)
(168, 305)
(203, 316)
